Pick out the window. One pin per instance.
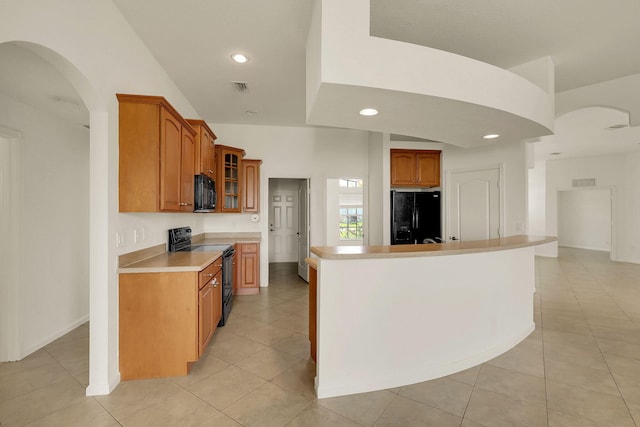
(351, 210)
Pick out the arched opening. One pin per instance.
(44, 128)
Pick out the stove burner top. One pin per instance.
(180, 240)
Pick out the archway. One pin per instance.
(43, 104)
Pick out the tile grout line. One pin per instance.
(583, 266)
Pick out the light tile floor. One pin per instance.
(581, 367)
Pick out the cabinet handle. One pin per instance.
(214, 282)
(210, 274)
(210, 171)
(182, 204)
(217, 265)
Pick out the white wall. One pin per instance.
(292, 152)
(54, 234)
(94, 46)
(536, 208)
(514, 158)
(620, 172)
(376, 183)
(584, 219)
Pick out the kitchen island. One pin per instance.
(389, 316)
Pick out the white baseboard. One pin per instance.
(103, 388)
(589, 248)
(51, 338)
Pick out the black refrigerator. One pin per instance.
(415, 217)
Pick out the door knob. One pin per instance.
(454, 238)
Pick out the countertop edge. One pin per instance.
(169, 262)
(437, 249)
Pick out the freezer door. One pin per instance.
(402, 217)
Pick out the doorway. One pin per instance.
(585, 219)
(475, 204)
(289, 222)
(42, 205)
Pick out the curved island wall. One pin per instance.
(389, 316)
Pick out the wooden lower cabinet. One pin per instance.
(313, 302)
(166, 320)
(248, 266)
(209, 304)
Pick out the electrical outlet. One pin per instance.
(137, 235)
(119, 239)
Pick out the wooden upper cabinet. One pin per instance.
(415, 168)
(229, 178)
(170, 156)
(187, 171)
(205, 159)
(251, 184)
(428, 169)
(156, 156)
(403, 167)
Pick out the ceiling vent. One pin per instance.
(240, 86)
(584, 182)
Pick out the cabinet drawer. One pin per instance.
(249, 248)
(209, 272)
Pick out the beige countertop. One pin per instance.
(157, 260)
(171, 262)
(435, 249)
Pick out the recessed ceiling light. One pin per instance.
(368, 112)
(240, 58)
(491, 136)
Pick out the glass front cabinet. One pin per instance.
(228, 184)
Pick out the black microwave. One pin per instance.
(204, 199)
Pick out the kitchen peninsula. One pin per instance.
(389, 316)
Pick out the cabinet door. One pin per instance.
(232, 179)
(210, 156)
(187, 171)
(205, 156)
(403, 168)
(249, 269)
(170, 155)
(206, 321)
(428, 169)
(251, 190)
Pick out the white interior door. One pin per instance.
(303, 229)
(474, 205)
(283, 226)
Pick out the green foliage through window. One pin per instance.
(351, 223)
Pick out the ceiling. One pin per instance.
(589, 42)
